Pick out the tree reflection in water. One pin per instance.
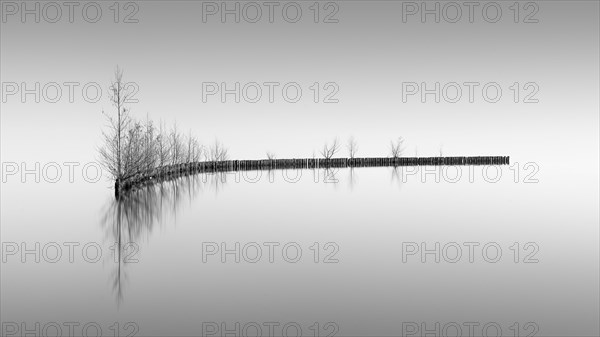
(131, 218)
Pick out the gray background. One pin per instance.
(368, 53)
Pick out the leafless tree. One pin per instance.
(397, 148)
(137, 147)
(352, 147)
(218, 152)
(111, 153)
(150, 145)
(133, 155)
(176, 146)
(162, 147)
(330, 150)
(190, 148)
(194, 150)
(270, 155)
(197, 150)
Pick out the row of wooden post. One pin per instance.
(172, 171)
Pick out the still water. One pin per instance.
(350, 252)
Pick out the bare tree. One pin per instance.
(162, 147)
(190, 147)
(194, 150)
(137, 147)
(352, 147)
(111, 153)
(197, 150)
(176, 146)
(218, 152)
(397, 148)
(270, 155)
(150, 145)
(330, 150)
(133, 151)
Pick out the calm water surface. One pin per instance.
(342, 267)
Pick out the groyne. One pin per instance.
(177, 170)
